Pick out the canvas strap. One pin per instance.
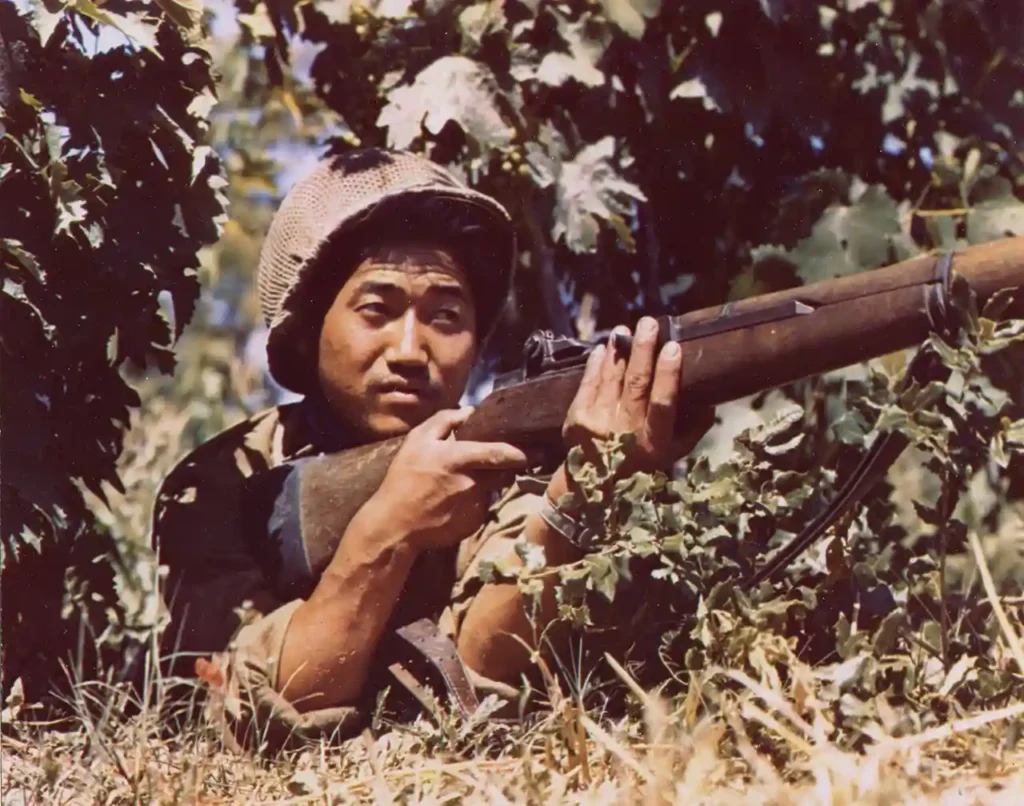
(440, 651)
(883, 453)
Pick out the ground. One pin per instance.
(660, 756)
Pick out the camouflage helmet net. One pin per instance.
(355, 200)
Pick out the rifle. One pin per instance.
(731, 351)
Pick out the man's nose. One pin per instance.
(408, 346)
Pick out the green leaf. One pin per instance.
(338, 12)
(452, 89)
(996, 214)
(604, 575)
(186, 13)
(258, 22)
(133, 25)
(849, 238)
(586, 43)
(887, 636)
(390, 9)
(631, 15)
(479, 20)
(590, 190)
(45, 18)
(557, 68)
(67, 196)
(695, 88)
(25, 258)
(30, 99)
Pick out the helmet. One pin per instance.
(357, 199)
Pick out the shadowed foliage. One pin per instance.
(656, 156)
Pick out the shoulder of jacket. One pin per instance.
(235, 449)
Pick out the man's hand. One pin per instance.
(436, 489)
(640, 397)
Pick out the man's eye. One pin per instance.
(375, 308)
(448, 315)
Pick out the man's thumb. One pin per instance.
(441, 424)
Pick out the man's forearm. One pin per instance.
(499, 611)
(333, 636)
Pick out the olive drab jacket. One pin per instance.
(228, 525)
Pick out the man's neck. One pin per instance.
(327, 432)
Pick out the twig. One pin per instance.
(990, 590)
(943, 604)
(614, 747)
(771, 698)
(951, 729)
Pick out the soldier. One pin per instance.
(381, 279)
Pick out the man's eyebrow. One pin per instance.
(385, 287)
(449, 290)
(375, 287)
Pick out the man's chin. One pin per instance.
(392, 424)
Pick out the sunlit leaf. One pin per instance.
(452, 89)
(186, 13)
(631, 15)
(479, 20)
(590, 190)
(133, 25)
(997, 213)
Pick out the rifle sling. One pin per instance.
(886, 450)
(872, 468)
(439, 649)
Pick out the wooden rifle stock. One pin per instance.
(736, 350)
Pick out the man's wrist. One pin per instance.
(558, 486)
(561, 518)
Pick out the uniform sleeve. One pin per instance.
(224, 525)
(492, 543)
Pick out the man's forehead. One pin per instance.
(405, 265)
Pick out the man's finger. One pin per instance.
(586, 395)
(440, 424)
(613, 370)
(637, 382)
(661, 413)
(485, 456)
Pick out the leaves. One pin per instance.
(99, 193)
(186, 13)
(631, 15)
(850, 237)
(997, 213)
(132, 25)
(452, 89)
(589, 190)
(480, 20)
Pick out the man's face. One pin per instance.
(399, 341)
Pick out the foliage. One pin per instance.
(108, 195)
(673, 155)
(649, 149)
(656, 156)
(716, 748)
(876, 609)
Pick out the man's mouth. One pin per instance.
(403, 393)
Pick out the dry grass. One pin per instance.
(666, 754)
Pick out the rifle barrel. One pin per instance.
(831, 324)
(806, 331)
